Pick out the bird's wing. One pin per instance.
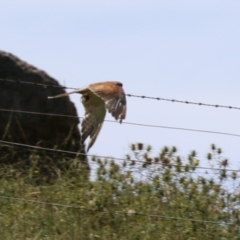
(97, 98)
(93, 119)
(114, 97)
(94, 114)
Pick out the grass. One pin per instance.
(116, 205)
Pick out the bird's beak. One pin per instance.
(63, 94)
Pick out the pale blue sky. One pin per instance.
(187, 50)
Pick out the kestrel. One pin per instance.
(96, 98)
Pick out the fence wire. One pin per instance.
(116, 158)
(128, 123)
(131, 95)
(114, 212)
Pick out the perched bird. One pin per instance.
(96, 98)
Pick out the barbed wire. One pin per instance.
(185, 102)
(116, 158)
(130, 95)
(115, 212)
(36, 84)
(128, 123)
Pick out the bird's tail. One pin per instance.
(65, 94)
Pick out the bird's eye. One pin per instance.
(119, 84)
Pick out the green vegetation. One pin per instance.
(151, 197)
